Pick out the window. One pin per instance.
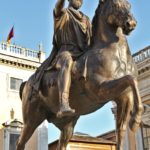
(146, 138)
(12, 141)
(15, 83)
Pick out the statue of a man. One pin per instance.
(72, 37)
(72, 33)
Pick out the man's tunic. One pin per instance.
(72, 33)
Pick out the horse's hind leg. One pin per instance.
(124, 107)
(66, 134)
(31, 122)
(33, 116)
(24, 137)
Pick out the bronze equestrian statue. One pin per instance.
(105, 72)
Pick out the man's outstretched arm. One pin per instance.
(59, 7)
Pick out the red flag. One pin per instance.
(10, 35)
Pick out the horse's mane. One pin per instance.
(95, 22)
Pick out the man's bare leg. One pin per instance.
(64, 83)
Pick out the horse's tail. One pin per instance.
(21, 89)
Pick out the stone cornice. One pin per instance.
(17, 65)
(142, 60)
(18, 62)
(143, 70)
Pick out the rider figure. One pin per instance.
(72, 32)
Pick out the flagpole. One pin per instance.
(14, 35)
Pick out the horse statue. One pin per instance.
(104, 73)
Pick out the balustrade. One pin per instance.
(19, 51)
(141, 55)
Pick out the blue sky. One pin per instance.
(33, 23)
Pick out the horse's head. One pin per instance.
(117, 13)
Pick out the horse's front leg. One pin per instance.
(66, 134)
(135, 120)
(124, 107)
(111, 89)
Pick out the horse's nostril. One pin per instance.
(131, 24)
(127, 24)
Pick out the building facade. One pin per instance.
(85, 142)
(17, 64)
(142, 60)
(140, 140)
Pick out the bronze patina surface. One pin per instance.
(104, 71)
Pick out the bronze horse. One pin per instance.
(105, 72)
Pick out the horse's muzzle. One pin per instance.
(129, 26)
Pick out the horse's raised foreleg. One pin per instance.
(124, 107)
(113, 88)
(66, 134)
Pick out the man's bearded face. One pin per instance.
(76, 4)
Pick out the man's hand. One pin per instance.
(59, 7)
